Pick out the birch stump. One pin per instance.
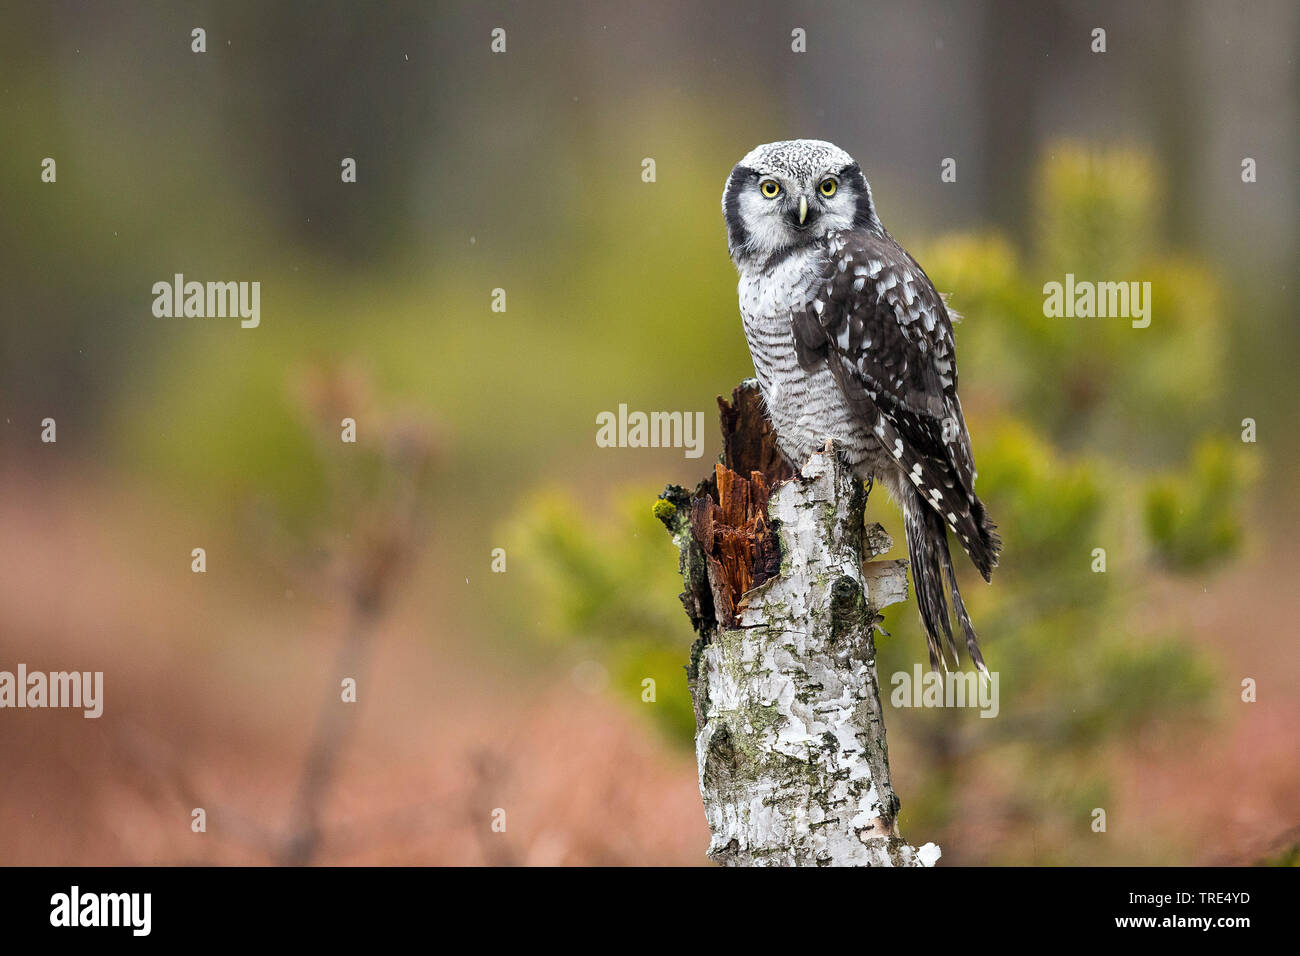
(784, 599)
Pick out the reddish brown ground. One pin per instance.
(1233, 794)
(211, 698)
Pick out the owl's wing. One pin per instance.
(878, 323)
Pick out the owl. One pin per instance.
(852, 343)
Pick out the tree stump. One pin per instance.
(784, 599)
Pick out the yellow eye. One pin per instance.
(769, 189)
(827, 187)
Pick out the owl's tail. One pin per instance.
(927, 551)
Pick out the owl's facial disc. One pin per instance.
(786, 195)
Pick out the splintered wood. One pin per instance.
(729, 513)
(736, 537)
(748, 441)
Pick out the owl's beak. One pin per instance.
(803, 209)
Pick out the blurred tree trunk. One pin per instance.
(1014, 33)
(790, 739)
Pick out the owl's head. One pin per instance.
(785, 195)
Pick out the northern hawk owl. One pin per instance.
(851, 342)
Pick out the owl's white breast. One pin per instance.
(806, 406)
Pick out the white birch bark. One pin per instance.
(793, 766)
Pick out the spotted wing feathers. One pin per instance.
(879, 324)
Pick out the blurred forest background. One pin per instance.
(482, 691)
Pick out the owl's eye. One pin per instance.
(827, 188)
(769, 188)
